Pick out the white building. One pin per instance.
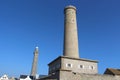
(4, 77)
(26, 77)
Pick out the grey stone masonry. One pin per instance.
(64, 75)
(68, 75)
(73, 65)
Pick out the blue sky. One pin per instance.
(25, 24)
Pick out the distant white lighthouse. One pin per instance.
(34, 64)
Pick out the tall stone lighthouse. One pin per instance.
(70, 66)
(34, 64)
(64, 67)
(70, 33)
(70, 61)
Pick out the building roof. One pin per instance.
(4, 77)
(25, 76)
(42, 76)
(80, 59)
(112, 71)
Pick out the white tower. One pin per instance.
(35, 61)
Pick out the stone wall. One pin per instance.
(77, 76)
(55, 65)
(67, 75)
(79, 65)
(52, 76)
(74, 65)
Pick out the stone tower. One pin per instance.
(70, 66)
(35, 61)
(70, 33)
(70, 61)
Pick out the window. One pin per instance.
(91, 67)
(53, 68)
(68, 65)
(81, 66)
(50, 69)
(58, 66)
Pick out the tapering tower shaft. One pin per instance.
(34, 64)
(70, 33)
